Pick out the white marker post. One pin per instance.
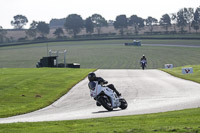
(169, 66)
(187, 70)
(57, 52)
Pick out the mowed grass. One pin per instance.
(24, 90)
(110, 54)
(195, 76)
(184, 121)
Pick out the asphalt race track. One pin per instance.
(146, 91)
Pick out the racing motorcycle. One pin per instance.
(143, 64)
(106, 97)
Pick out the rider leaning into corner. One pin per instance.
(92, 77)
(106, 96)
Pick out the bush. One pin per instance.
(41, 38)
(22, 39)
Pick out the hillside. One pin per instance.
(14, 35)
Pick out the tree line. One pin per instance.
(74, 23)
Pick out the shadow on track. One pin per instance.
(98, 112)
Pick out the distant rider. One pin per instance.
(143, 59)
(92, 77)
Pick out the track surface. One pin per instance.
(147, 91)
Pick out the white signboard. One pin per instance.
(187, 70)
(169, 66)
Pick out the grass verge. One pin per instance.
(24, 90)
(178, 73)
(185, 121)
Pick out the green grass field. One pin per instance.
(24, 90)
(109, 54)
(184, 121)
(178, 73)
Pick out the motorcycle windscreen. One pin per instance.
(143, 61)
(92, 85)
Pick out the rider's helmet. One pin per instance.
(91, 76)
(143, 56)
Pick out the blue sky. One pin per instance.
(45, 10)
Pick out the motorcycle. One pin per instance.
(143, 64)
(106, 97)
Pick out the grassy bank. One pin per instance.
(185, 121)
(109, 54)
(24, 90)
(178, 73)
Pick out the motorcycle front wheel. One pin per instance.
(106, 103)
(143, 66)
(124, 104)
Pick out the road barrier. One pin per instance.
(187, 70)
(169, 66)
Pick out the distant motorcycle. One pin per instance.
(106, 97)
(143, 64)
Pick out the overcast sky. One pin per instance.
(45, 10)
